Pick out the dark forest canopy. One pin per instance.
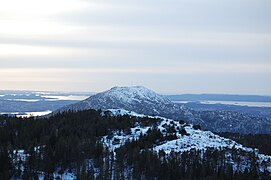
(260, 141)
(70, 141)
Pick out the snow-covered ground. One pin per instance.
(20, 156)
(135, 93)
(197, 139)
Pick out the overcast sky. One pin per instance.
(170, 46)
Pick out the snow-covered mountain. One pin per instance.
(144, 101)
(188, 137)
(126, 97)
(136, 98)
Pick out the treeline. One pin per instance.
(210, 164)
(72, 141)
(260, 141)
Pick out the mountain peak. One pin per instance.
(128, 87)
(132, 89)
(125, 97)
(132, 94)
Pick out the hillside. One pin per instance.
(121, 144)
(136, 98)
(145, 101)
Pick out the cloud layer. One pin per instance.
(175, 46)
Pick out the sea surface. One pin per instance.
(238, 103)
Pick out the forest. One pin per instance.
(71, 142)
(260, 141)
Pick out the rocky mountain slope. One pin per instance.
(144, 101)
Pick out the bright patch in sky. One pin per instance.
(170, 46)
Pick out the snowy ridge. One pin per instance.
(196, 139)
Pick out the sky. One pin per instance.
(170, 46)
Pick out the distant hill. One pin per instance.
(145, 101)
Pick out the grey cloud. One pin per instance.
(157, 43)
